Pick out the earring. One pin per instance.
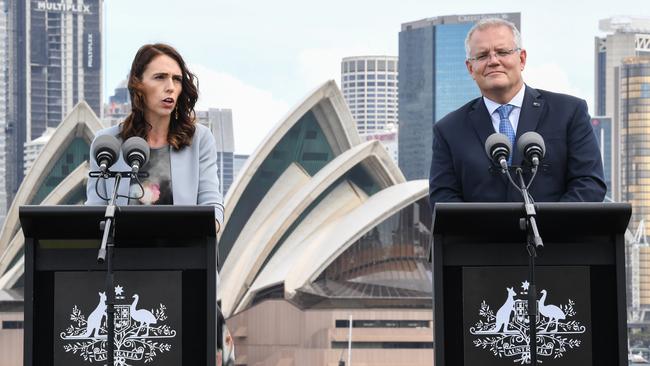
(176, 112)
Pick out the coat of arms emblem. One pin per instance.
(505, 333)
(140, 334)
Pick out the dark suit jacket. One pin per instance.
(572, 170)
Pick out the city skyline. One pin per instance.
(52, 60)
(254, 55)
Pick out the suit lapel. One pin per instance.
(481, 121)
(531, 111)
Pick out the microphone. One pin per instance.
(531, 144)
(498, 148)
(105, 150)
(135, 151)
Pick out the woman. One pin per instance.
(182, 166)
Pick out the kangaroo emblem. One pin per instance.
(94, 322)
(503, 314)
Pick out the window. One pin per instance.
(310, 156)
(12, 324)
(384, 345)
(645, 90)
(342, 323)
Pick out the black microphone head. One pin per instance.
(106, 148)
(135, 150)
(531, 139)
(531, 145)
(498, 142)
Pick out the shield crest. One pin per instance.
(122, 318)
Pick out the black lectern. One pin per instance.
(165, 285)
(480, 285)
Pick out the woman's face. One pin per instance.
(162, 84)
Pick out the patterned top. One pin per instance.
(158, 185)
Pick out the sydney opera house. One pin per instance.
(57, 177)
(324, 244)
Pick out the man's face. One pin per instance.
(493, 64)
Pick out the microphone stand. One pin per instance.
(533, 242)
(105, 254)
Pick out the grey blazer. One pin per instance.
(195, 179)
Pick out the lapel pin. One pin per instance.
(536, 104)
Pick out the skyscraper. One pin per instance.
(433, 81)
(635, 140)
(627, 37)
(369, 85)
(634, 120)
(219, 121)
(55, 63)
(4, 89)
(238, 162)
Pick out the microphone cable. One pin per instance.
(137, 179)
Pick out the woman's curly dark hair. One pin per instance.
(181, 128)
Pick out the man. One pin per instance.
(461, 171)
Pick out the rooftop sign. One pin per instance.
(63, 7)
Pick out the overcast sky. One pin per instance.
(260, 58)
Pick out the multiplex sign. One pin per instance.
(63, 7)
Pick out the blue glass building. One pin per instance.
(433, 81)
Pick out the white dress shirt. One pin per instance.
(517, 102)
